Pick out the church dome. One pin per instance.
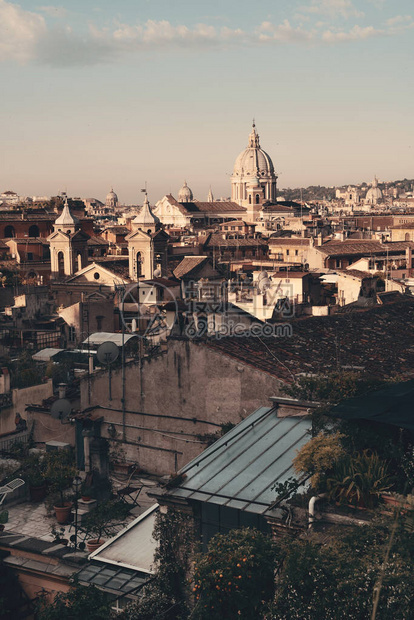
(253, 160)
(185, 194)
(111, 199)
(374, 194)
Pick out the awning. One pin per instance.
(101, 337)
(393, 405)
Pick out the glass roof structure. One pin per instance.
(241, 468)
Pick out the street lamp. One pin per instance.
(76, 485)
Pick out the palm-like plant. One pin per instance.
(359, 479)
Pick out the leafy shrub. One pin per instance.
(235, 577)
(359, 479)
(318, 457)
(80, 602)
(336, 580)
(167, 595)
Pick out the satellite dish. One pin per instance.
(60, 409)
(107, 353)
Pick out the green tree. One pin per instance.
(335, 578)
(235, 577)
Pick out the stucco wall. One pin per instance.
(21, 398)
(190, 380)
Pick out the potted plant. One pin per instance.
(97, 522)
(34, 471)
(4, 517)
(60, 473)
(86, 492)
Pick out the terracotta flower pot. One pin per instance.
(94, 544)
(63, 512)
(86, 498)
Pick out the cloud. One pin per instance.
(283, 33)
(332, 8)
(19, 32)
(356, 33)
(27, 37)
(400, 21)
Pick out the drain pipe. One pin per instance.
(311, 508)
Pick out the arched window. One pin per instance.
(139, 264)
(407, 236)
(79, 261)
(61, 264)
(34, 231)
(257, 199)
(250, 199)
(9, 231)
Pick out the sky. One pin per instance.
(99, 94)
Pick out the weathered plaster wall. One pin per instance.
(190, 380)
(21, 398)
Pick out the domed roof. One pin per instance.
(253, 160)
(374, 193)
(145, 218)
(185, 194)
(111, 195)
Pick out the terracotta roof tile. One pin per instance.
(372, 338)
(188, 264)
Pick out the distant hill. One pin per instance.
(320, 192)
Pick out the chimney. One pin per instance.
(62, 390)
(409, 257)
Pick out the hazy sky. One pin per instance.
(101, 93)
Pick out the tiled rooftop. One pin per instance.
(371, 338)
(218, 240)
(188, 264)
(363, 246)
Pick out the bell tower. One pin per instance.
(68, 245)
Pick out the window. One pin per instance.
(71, 334)
(34, 231)
(287, 252)
(99, 320)
(30, 256)
(296, 252)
